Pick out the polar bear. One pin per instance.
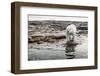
(71, 33)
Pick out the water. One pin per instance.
(53, 52)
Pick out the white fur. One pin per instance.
(70, 32)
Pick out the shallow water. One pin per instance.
(57, 50)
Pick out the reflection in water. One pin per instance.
(74, 50)
(70, 49)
